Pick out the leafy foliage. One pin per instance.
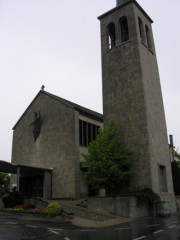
(54, 209)
(177, 155)
(146, 195)
(4, 180)
(4, 183)
(12, 199)
(175, 165)
(107, 161)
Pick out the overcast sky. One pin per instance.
(57, 43)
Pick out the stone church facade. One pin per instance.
(131, 96)
(65, 130)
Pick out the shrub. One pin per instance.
(146, 195)
(54, 209)
(12, 199)
(2, 192)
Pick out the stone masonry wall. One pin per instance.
(122, 206)
(156, 124)
(123, 93)
(56, 147)
(132, 97)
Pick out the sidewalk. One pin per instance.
(84, 217)
(86, 223)
(79, 216)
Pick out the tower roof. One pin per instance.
(123, 3)
(120, 2)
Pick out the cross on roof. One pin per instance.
(42, 87)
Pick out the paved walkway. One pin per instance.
(84, 217)
(82, 222)
(78, 216)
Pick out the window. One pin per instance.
(87, 133)
(162, 178)
(148, 37)
(141, 29)
(80, 133)
(111, 36)
(124, 29)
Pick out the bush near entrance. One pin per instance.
(54, 209)
(4, 183)
(12, 199)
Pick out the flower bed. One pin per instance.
(16, 210)
(43, 211)
(53, 209)
(25, 209)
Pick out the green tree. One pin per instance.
(108, 162)
(177, 155)
(175, 165)
(4, 183)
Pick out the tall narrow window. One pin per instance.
(124, 29)
(80, 133)
(87, 133)
(141, 30)
(148, 36)
(163, 179)
(111, 36)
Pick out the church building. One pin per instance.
(53, 133)
(49, 139)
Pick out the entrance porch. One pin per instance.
(30, 181)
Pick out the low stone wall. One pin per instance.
(38, 202)
(122, 206)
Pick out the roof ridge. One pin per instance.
(74, 105)
(83, 110)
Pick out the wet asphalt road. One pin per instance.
(17, 228)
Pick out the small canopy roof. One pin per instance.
(8, 167)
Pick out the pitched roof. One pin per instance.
(82, 110)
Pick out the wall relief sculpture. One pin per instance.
(36, 125)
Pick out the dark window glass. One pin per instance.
(163, 179)
(89, 133)
(141, 30)
(84, 134)
(94, 132)
(111, 36)
(80, 133)
(148, 37)
(124, 29)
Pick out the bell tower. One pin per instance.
(132, 95)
